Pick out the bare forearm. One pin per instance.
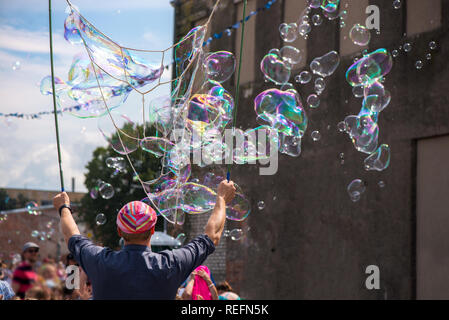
(216, 222)
(68, 225)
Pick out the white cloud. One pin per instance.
(22, 40)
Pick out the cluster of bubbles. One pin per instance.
(44, 235)
(289, 32)
(407, 48)
(116, 163)
(234, 234)
(33, 208)
(366, 76)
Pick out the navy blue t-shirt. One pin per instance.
(135, 272)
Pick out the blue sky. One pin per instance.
(28, 157)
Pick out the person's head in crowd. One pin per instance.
(136, 222)
(70, 260)
(226, 292)
(38, 292)
(2, 273)
(30, 252)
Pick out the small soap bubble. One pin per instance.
(360, 35)
(261, 205)
(304, 77)
(317, 20)
(432, 45)
(16, 65)
(341, 126)
(419, 64)
(34, 233)
(395, 53)
(236, 234)
(313, 101)
(397, 4)
(407, 47)
(429, 56)
(316, 135)
(106, 191)
(100, 219)
(320, 85)
(355, 189)
(381, 184)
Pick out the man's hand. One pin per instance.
(226, 190)
(60, 199)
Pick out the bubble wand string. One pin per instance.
(54, 97)
(237, 90)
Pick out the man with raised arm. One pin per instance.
(135, 272)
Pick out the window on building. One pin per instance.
(432, 223)
(423, 16)
(355, 13)
(247, 73)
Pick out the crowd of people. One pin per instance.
(133, 272)
(33, 279)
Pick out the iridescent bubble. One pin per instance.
(429, 56)
(360, 35)
(291, 55)
(106, 191)
(376, 98)
(314, 3)
(181, 238)
(330, 5)
(261, 205)
(378, 160)
(236, 234)
(355, 189)
(219, 66)
(226, 233)
(370, 68)
(34, 233)
(313, 101)
(325, 65)
(364, 132)
(32, 208)
(275, 69)
(397, 4)
(395, 53)
(407, 47)
(432, 45)
(282, 110)
(316, 135)
(100, 219)
(94, 193)
(419, 64)
(304, 77)
(289, 32)
(239, 208)
(317, 20)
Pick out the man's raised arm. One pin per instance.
(68, 224)
(215, 225)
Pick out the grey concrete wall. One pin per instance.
(311, 241)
